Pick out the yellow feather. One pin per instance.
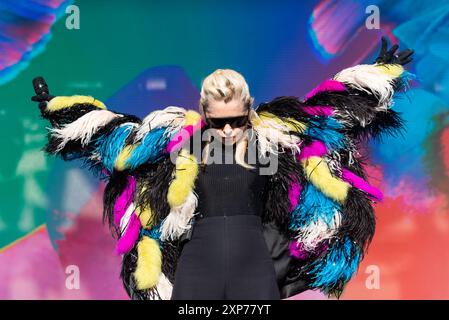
(149, 262)
(61, 102)
(191, 118)
(186, 173)
(393, 70)
(293, 124)
(144, 213)
(145, 216)
(120, 162)
(318, 172)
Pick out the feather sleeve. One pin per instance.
(360, 98)
(328, 205)
(148, 198)
(82, 127)
(334, 220)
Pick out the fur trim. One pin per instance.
(177, 222)
(164, 288)
(184, 135)
(185, 175)
(317, 171)
(124, 221)
(61, 102)
(361, 184)
(129, 235)
(124, 201)
(149, 261)
(83, 128)
(326, 85)
(318, 230)
(145, 216)
(375, 79)
(326, 111)
(272, 131)
(315, 149)
(170, 118)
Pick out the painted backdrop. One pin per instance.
(138, 56)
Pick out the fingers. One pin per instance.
(405, 54)
(406, 60)
(384, 46)
(390, 56)
(393, 50)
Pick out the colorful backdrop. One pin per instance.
(138, 56)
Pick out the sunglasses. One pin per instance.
(234, 122)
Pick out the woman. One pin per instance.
(227, 257)
(292, 211)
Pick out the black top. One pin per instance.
(228, 188)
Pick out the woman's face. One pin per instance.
(220, 109)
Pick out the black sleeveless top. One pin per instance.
(228, 188)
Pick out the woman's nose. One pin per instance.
(227, 130)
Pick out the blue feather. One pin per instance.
(339, 265)
(150, 149)
(313, 205)
(110, 145)
(326, 129)
(154, 233)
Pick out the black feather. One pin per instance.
(358, 219)
(154, 181)
(357, 111)
(277, 205)
(116, 185)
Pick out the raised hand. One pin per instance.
(390, 57)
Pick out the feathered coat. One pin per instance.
(318, 217)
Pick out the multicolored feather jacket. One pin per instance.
(318, 217)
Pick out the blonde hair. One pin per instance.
(226, 85)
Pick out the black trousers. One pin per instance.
(226, 258)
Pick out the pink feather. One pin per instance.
(326, 85)
(297, 250)
(130, 236)
(178, 140)
(124, 200)
(294, 191)
(361, 184)
(319, 110)
(315, 149)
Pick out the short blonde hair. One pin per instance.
(225, 85)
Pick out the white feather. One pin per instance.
(84, 127)
(124, 221)
(271, 134)
(177, 221)
(171, 117)
(369, 78)
(164, 288)
(317, 231)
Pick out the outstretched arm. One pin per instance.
(82, 127)
(334, 220)
(360, 97)
(328, 204)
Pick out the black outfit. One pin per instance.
(227, 256)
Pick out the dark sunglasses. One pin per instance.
(234, 122)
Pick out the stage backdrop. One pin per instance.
(138, 56)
